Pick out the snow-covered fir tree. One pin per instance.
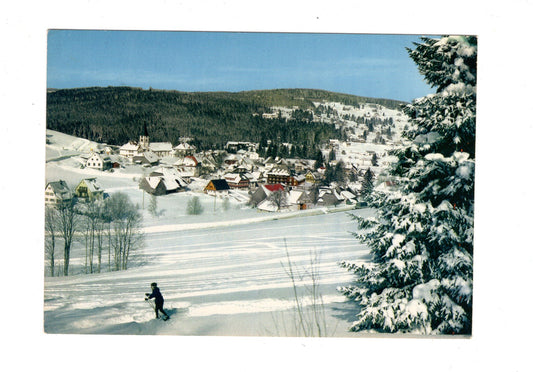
(421, 273)
(367, 185)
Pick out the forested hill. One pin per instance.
(115, 115)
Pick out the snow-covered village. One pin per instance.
(214, 214)
(240, 196)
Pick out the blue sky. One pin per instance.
(365, 65)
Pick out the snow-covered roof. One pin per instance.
(294, 196)
(60, 188)
(174, 174)
(347, 195)
(220, 184)
(149, 156)
(232, 177)
(327, 191)
(171, 184)
(273, 188)
(153, 181)
(188, 161)
(184, 146)
(100, 157)
(92, 185)
(186, 172)
(130, 146)
(160, 146)
(268, 206)
(280, 171)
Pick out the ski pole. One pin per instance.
(151, 303)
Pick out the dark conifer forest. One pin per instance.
(115, 115)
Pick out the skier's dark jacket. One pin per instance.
(157, 295)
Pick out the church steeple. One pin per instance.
(144, 140)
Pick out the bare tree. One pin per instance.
(91, 212)
(67, 225)
(50, 225)
(100, 225)
(279, 199)
(126, 237)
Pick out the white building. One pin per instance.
(161, 149)
(130, 149)
(184, 149)
(56, 193)
(98, 161)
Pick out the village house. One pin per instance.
(242, 165)
(154, 185)
(187, 161)
(263, 192)
(232, 161)
(161, 149)
(133, 148)
(254, 178)
(187, 173)
(349, 197)
(237, 180)
(98, 161)
(300, 165)
(164, 180)
(130, 149)
(57, 193)
(270, 163)
(279, 174)
(159, 185)
(217, 188)
(147, 158)
(89, 190)
(296, 180)
(310, 177)
(184, 149)
(268, 205)
(329, 196)
(187, 167)
(299, 200)
(206, 162)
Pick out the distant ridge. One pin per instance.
(115, 115)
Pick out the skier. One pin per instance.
(158, 301)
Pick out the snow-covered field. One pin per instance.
(222, 273)
(216, 281)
